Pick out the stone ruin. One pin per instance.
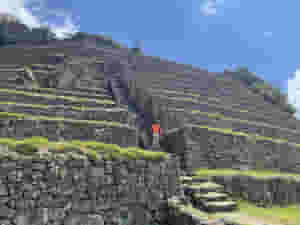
(65, 92)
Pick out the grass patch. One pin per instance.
(221, 116)
(30, 146)
(230, 172)
(285, 216)
(69, 98)
(205, 185)
(251, 136)
(23, 116)
(83, 108)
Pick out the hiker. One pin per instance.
(157, 132)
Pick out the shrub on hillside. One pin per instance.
(259, 86)
(243, 74)
(101, 40)
(291, 109)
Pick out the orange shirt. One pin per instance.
(156, 128)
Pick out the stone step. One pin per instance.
(42, 67)
(217, 206)
(200, 179)
(210, 196)
(204, 187)
(185, 180)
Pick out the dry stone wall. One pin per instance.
(61, 130)
(282, 190)
(212, 149)
(80, 191)
(145, 102)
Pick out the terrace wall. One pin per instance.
(82, 191)
(65, 130)
(212, 149)
(283, 190)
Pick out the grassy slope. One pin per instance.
(31, 146)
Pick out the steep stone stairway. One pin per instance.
(207, 196)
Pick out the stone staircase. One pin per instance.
(207, 196)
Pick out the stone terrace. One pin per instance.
(67, 98)
(203, 102)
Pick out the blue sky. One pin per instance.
(212, 34)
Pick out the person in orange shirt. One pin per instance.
(157, 132)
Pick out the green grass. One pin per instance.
(205, 185)
(69, 98)
(22, 116)
(83, 108)
(201, 102)
(285, 216)
(252, 173)
(53, 90)
(251, 136)
(221, 116)
(30, 146)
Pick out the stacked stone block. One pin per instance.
(76, 191)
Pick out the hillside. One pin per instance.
(259, 86)
(76, 136)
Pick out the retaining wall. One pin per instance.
(212, 149)
(66, 130)
(82, 191)
(283, 190)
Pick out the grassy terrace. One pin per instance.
(57, 90)
(21, 116)
(220, 116)
(222, 107)
(278, 215)
(253, 173)
(157, 90)
(182, 93)
(49, 96)
(188, 94)
(37, 146)
(83, 108)
(196, 101)
(200, 102)
(247, 135)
